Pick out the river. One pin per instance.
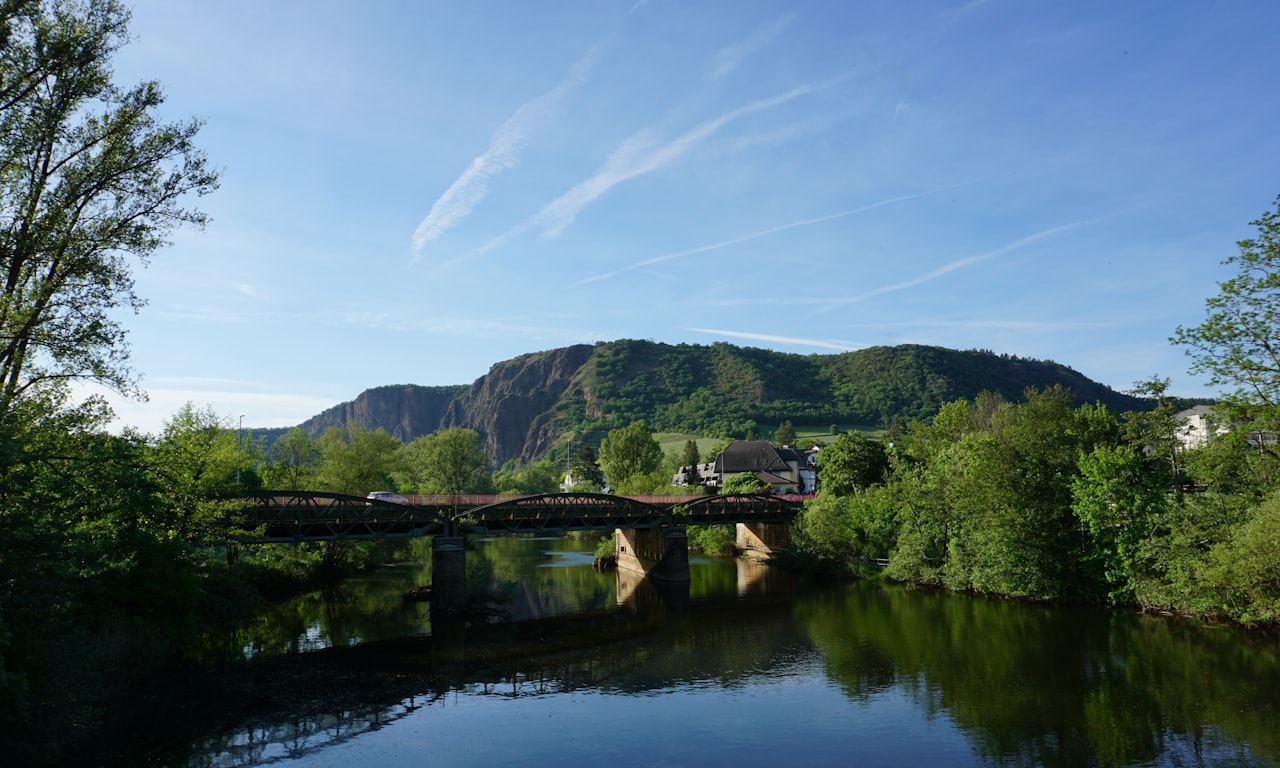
(748, 666)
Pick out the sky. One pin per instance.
(412, 192)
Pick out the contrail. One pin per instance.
(728, 59)
(957, 264)
(766, 232)
(502, 154)
(637, 156)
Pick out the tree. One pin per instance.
(585, 469)
(452, 461)
(356, 460)
(90, 181)
(744, 484)
(538, 477)
(449, 461)
(689, 458)
(628, 452)
(785, 434)
(851, 462)
(1238, 344)
(1118, 498)
(295, 457)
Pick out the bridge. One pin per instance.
(650, 531)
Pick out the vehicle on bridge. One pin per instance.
(394, 498)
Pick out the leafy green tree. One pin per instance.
(1156, 430)
(207, 452)
(295, 458)
(785, 434)
(744, 483)
(451, 461)
(97, 581)
(823, 533)
(538, 477)
(852, 462)
(629, 451)
(356, 460)
(90, 181)
(1243, 571)
(1119, 501)
(1238, 344)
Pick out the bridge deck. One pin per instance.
(292, 516)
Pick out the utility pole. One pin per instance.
(239, 450)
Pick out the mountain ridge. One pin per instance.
(531, 405)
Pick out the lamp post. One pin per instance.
(239, 450)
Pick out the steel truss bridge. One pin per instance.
(296, 516)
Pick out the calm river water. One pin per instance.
(747, 667)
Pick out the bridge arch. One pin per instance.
(563, 512)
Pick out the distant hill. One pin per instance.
(528, 406)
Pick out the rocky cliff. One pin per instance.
(528, 406)
(405, 411)
(514, 407)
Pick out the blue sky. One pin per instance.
(413, 191)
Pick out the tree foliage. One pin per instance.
(356, 460)
(744, 483)
(852, 462)
(585, 469)
(1238, 343)
(450, 461)
(90, 182)
(629, 452)
(294, 461)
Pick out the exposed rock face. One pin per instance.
(512, 406)
(405, 412)
(525, 407)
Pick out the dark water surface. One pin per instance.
(747, 666)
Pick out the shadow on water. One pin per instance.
(271, 707)
(1018, 683)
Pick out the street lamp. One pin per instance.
(239, 450)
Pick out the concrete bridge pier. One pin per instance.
(448, 570)
(763, 541)
(657, 553)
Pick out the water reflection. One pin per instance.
(743, 657)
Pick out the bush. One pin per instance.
(714, 539)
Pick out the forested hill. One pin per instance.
(528, 406)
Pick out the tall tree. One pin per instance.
(628, 452)
(689, 457)
(452, 461)
(585, 469)
(785, 434)
(356, 460)
(295, 457)
(850, 463)
(1238, 344)
(90, 182)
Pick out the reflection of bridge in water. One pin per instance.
(323, 699)
(650, 531)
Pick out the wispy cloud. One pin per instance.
(959, 264)
(502, 154)
(843, 346)
(727, 59)
(764, 233)
(644, 153)
(825, 304)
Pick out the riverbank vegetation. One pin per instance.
(1047, 499)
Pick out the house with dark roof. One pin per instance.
(786, 469)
